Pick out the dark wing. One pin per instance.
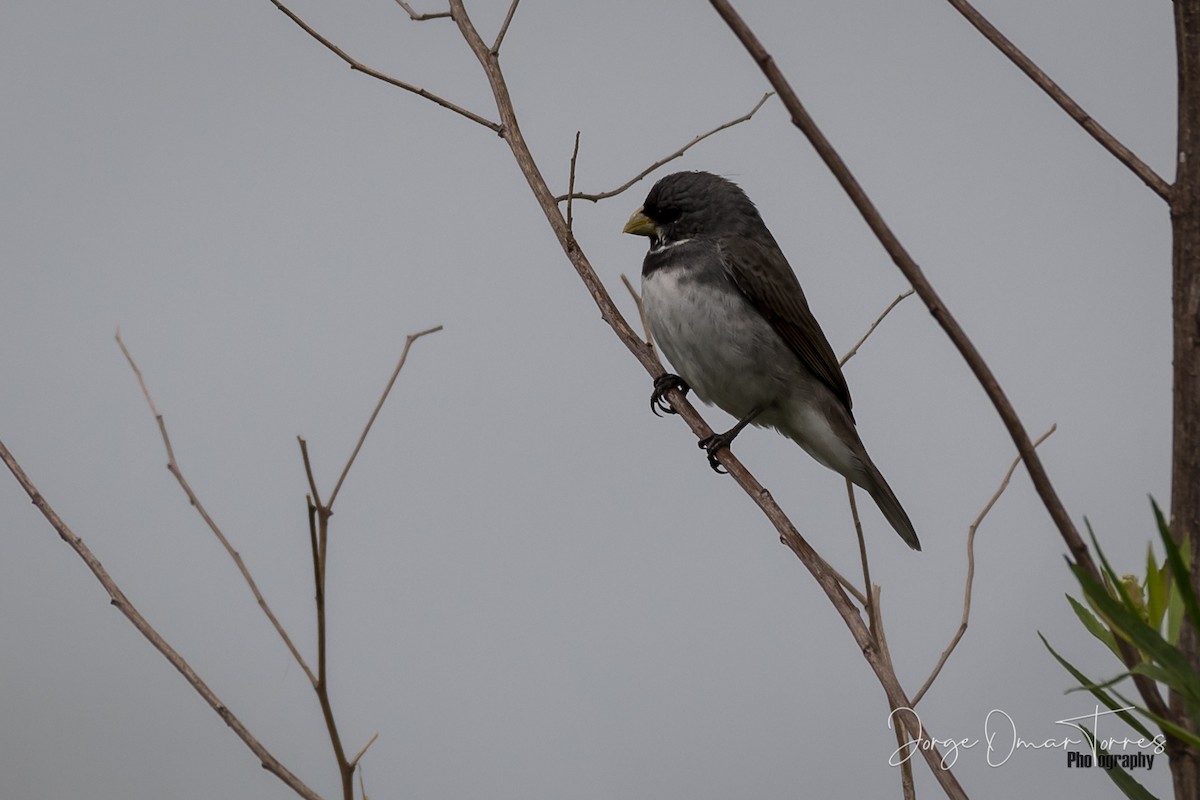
(761, 272)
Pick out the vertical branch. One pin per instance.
(1185, 308)
(345, 768)
(571, 187)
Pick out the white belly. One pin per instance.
(717, 342)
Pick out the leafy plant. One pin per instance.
(1148, 613)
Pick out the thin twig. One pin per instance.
(966, 612)
(598, 196)
(512, 9)
(1056, 93)
(853, 350)
(269, 762)
(422, 17)
(868, 587)
(374, 73)
(308, 473)
(358, 756)
(408, 342)
(174, 469)
(637, 301)
(571, 186)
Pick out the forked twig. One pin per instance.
(318, 523)
(598, 196)
(269, 762)
(966, 613)
(173, 468)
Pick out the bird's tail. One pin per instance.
(893, 512)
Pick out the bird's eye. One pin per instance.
(665, 216)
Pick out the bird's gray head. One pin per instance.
(694, 205)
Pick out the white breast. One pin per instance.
(716, 341)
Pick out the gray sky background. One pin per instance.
(537, 588)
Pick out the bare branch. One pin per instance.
(1056, 93)
(666, 159)
(966, 613)
(269, 762)
(983, 373)
(408, 343)
(512, 9)
(916, 277)
(853, 350)
(821, 571)
(374, 73)
(173, 468)
(421, 17)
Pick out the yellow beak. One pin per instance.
(640, 225)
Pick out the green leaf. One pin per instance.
(1157, 589)
(1174, 615)
(1179, 570)
(1099, 693)
(1178, 673)
(1094, 626)
(1189, 738)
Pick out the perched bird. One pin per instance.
(728, 312)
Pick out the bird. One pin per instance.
(728, 312)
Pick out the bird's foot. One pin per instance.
(711, 444)
(663, 384)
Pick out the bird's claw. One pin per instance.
(711, 444)
(663, 384)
